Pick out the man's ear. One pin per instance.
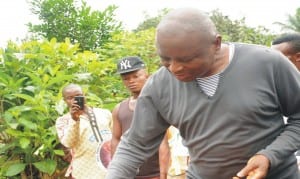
(148, 75)
(218, 41)
(297, 57)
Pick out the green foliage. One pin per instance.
(62, 19)
(31, 78)
(293, 22)
(46, 166)
(15, 169)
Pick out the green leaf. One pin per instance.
(59, 152)
(46, 166)
(24, 142)
(25, 96)
(15, 169)
(28, 124)
(58, 79)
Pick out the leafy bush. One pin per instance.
(31, 79)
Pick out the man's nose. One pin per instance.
(130, 80)
(174, 66)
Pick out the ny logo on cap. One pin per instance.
(125, 64)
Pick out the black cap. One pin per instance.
(129, 64)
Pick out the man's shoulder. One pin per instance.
(260, 53)
(64, 119)
(101, 110)
(66, 116)
(161, 76)
(253, 48)
(243, 44)
(161, 72)
(117, 106)
(125, 100)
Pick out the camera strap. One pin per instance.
(94, 125)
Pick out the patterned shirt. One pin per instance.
(179, 153)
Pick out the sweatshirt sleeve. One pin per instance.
(68, 131)
(141, 141)
(288, 87)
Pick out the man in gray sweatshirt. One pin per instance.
(226, 99)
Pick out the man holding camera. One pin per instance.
(85, 131)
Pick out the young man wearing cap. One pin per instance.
(134, 75)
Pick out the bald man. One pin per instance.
(227, 100)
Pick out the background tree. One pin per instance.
(151, 22)
(62, 19)
(293, 22)
(231, 30)
(238, 31)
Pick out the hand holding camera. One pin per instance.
(77, 107)
(80, 101)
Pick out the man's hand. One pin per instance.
(256, 168)
(75, 111)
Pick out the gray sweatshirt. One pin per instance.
(243, 118)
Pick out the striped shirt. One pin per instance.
(210, 84)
